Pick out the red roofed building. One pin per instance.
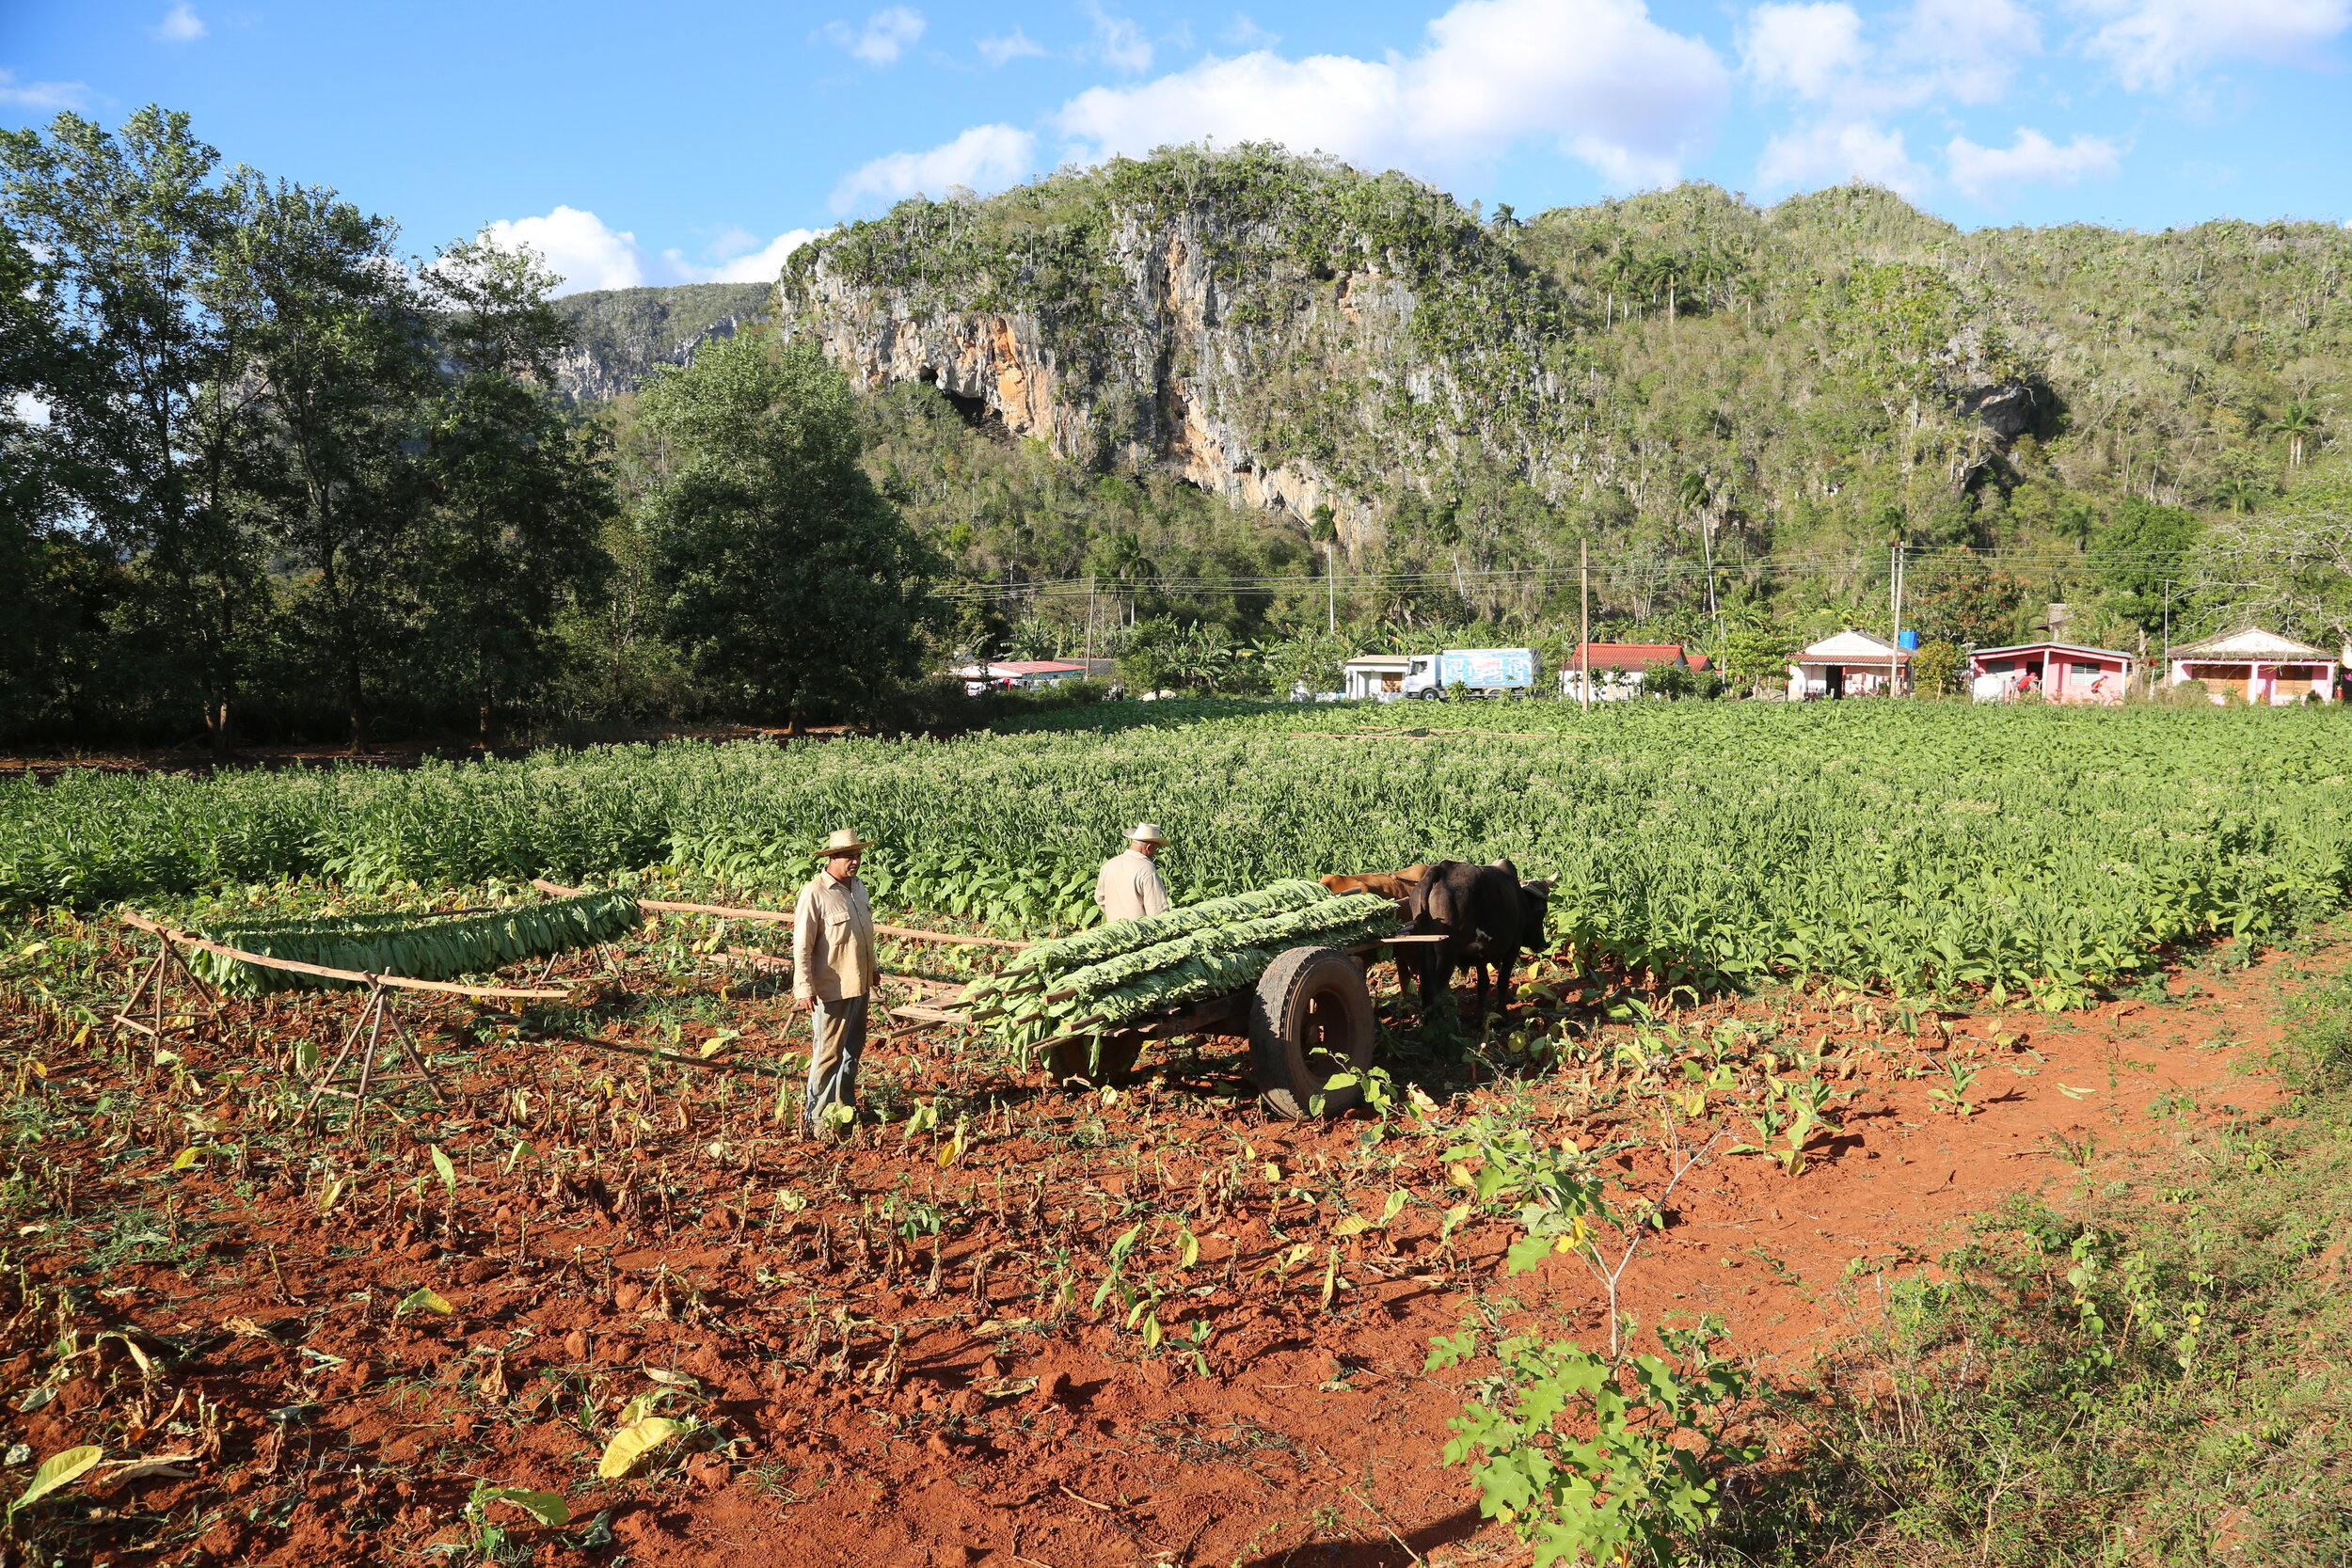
(1619, 668)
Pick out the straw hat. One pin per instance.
(1147, 832)
(843, 842)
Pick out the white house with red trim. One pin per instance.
(1851, 664)
(2258, 667)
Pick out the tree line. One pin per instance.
(262, 477)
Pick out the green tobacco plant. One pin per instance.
(416, 946)
(1599, 1459)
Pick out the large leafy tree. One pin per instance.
(791, 583)
(123, 228)
(2143, 559)
(337, 358)
(518, 487)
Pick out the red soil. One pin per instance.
(1315, 1439)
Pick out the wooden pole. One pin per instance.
(400, 982)
(783, 917)
(1584, 623)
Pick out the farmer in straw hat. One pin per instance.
(1129, 886)
(832, 974)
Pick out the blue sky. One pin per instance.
(702, 138)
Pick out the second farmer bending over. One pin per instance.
(1129, 887)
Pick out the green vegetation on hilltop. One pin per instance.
(1670, 379)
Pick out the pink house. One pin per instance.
(2055, 672)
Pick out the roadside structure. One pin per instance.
(1619, 669)
(2056, 671)
(1375, 678)
(1850, 664)
(1022, 673)
(2253, 665)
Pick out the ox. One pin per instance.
(1486, 915)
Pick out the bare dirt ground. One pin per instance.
(893, 1348)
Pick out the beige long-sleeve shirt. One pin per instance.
(833, 940)
(1129, 887)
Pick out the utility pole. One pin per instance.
(1584, 623)
(1895, 599)
(1332, 586)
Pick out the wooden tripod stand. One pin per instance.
(370, 1021)
(150, 985)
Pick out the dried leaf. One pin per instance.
(632, 1443)
(675, 1379)
(1008, 1387)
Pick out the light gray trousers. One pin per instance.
(837, 1031)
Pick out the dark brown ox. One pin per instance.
(1487, 917)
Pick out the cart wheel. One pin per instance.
(1072, 1060)
(1310, 1019)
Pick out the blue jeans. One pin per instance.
(837, 1039)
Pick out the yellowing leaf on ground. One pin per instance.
(186, 1158)
(423, 1300)
(59, 1470)
(440, 1163)
(1355, 1225)
(632, 1443)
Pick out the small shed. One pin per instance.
(1619, 668)
(2258, 666)
(1009, 674)
(2058, 671)
(1851, 664)
(1375, 677)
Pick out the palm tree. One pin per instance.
(1695, 495)
(2298, 423)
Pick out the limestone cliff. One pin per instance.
(620, 336)
(1262, 332)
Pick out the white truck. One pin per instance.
(1482, 671)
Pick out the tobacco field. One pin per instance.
(598, 1301)
(1919, 849)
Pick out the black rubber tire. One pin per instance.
(1311, 1018)
(1070, 1058)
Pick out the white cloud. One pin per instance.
(41, 95)
(1983, 172)
(1246, 33)
(1597, 78)
(1119, 42)
(1011, 46)
(2152, 44)
(887, 34)
(1806, 50)
(761, 265)
(181, 25)
(577, 248)
(587, 253)
(29, 409)
(1852, 149)
(984, 157)
(1967, 49)
(1959, 49)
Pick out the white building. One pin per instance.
(1375, 677)
(1851, 664)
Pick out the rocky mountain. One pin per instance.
(622, 334)
(1679, 373)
